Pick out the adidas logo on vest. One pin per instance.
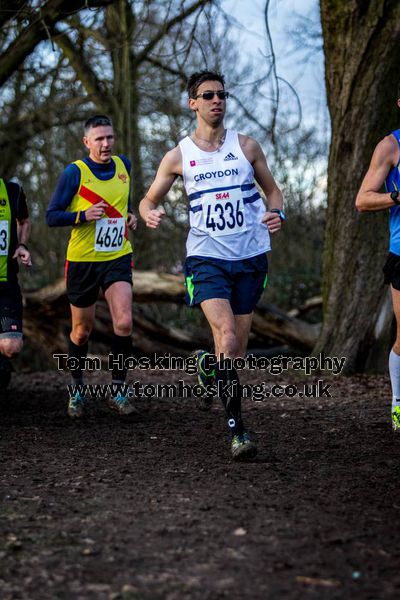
(230, 156)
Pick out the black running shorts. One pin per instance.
(391, 270)
(10, 311)
(85, 279)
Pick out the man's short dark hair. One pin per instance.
(97, 121)
(197, 79)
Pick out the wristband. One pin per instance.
(23, 245)
(395, 196)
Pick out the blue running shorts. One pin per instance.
(240, 281)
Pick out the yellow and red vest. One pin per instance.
(94, 241)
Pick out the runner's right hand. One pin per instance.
(154, 217)
(95, 212)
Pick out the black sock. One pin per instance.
(78, 352)
(120, 345)
(231, 398)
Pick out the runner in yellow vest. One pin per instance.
(93, 197)
(14, 235)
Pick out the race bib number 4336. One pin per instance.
(109, 235)
(223, 213)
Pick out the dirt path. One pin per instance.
(153, 508)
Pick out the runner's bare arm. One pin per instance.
(170, 167)
(254, 154)
(22, 252)
(385, 156)
(23, 230)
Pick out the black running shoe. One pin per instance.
(242, 447)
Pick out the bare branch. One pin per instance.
(251, 117)
(275, 77)
(275, 82)
(37, 30)
(139, 58)
(299, 110)
(164, 67)
(10, 9)
(83, 71)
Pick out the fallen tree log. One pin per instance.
(273, 323)
(47, 325)
(47, 320)
(310, 304)
(150, 286)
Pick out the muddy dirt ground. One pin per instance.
(152, 507)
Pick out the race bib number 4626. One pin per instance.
(109, 235)
(223, 213)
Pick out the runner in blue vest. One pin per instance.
(226, 265)
(14, 235)
(384, 170)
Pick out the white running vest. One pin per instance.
(225, 208)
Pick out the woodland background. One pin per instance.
(61, 61)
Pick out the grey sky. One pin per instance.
(294, 26)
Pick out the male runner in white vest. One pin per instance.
(226, 265)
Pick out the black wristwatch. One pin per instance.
(395, 196)
(279, 212)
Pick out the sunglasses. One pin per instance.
(222, 95)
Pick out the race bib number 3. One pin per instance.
(3, 238)
(223, 213)
(109, 236)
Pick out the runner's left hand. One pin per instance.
(272, 221)
(131, 221)
(23, 255)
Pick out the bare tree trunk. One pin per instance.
(121, 24)
(361, 42)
